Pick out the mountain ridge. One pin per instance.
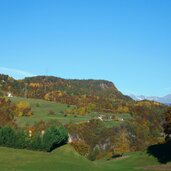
(165, 99)
(100, 94)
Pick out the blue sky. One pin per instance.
(125, 41)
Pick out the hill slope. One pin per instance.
(82, 93)
(65, 158)
(45, 111)
(44, 84)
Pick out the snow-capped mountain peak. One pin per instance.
(166, 99)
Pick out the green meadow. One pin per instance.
(42, 111)
(66, 159)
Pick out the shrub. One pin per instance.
(81, 147)
(51, 112)
(93, 154)
(37, 105)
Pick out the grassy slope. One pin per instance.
(66, 159)
(41, 113)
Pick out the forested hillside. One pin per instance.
(92, 95)
(89, 111)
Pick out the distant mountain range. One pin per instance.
(165, 99)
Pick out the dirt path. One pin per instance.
(118, 158)
(163, 167)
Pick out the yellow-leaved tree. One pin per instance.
(122, 143)
(23, 108)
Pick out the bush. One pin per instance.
(93, 154)
(37, 105)
(51, 112)
(65, 115)
(81, 147)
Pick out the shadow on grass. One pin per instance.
(161, 151)
(117, 156)
(54, 146)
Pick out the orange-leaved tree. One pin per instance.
(167, 125)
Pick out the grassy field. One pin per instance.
(41, 110)
(66, 159)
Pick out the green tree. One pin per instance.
(7, 137)
(20, 141)
(54, 137)
(36, 142)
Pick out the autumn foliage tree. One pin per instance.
(6, 112)
(81, 147)
(122, 143)
(167, 125)
(23, 109)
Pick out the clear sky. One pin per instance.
(125, 41)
